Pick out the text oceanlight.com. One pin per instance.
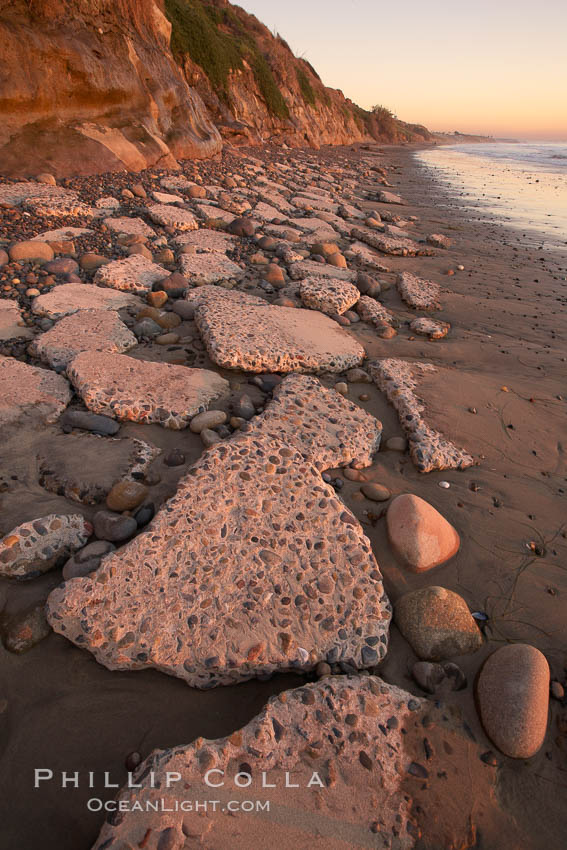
(95, 804)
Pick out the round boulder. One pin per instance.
(30, 251)
(437, 623)
(241, 227)
(420, 537)
(126, 495)
(513, 696)
(209, 419)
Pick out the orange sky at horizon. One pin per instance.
(493, 67)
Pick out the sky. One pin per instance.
(495, 67)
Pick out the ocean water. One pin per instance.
(521, 184)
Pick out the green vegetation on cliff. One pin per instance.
(196, 32)
(307, 89)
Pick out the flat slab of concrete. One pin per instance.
(87, 330)
(71, 297)
(132, 274)
(142, 391)
(246, 333)
(30, 394)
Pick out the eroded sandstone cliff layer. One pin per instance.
(90, 86)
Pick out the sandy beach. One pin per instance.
(498, 392)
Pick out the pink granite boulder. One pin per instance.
(513, 697)
(420, 537)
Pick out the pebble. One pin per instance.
(358, 376)
(209, 419)
(25, 630)
(364, 282)
(342, 388)
(145, 514)
(353, 474)
(87, 559)
(444, 484)
(174, 458)
(513, 699)
(274, 275)
(156, 299)
(126, 495)
(244, 407)
(114, 527)
(185, 310)
(209, 438)
(63, 265)
(168, 320)
(90, 422)
(89, 261)
(146, 328)
(241, 227)
(174, 285)
(337, 260)
(432, 677)
(167, 339)
(375, 492)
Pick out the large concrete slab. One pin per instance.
(207, 240)
(132, 274)
(71, 297)
(64, 467)
(133, 226)
(255, 565)
(30, 394)
(87, 330)
(42, 544)
(368, 257)
(390, 244)
(429, 450)
(62, 234)
(310, 268)
(42, 199)
(374, 312)
(209, 267)
(175, 217)
(211, 211)
(418, 293)
(347, 762)
(143, 391)
(329, 296)
(248, 334)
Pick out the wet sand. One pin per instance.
(60, 709)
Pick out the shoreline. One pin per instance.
(64, 703)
